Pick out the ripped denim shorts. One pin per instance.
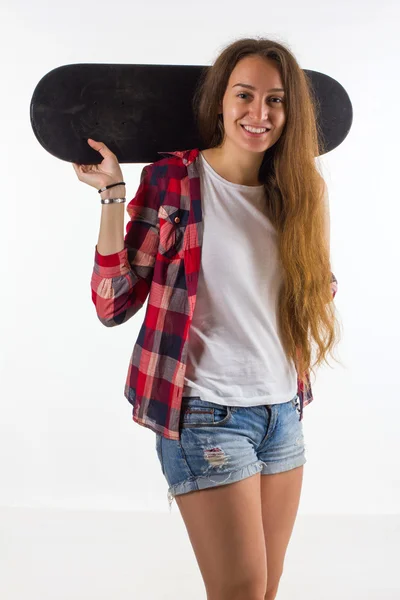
(223, 444)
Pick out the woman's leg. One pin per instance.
(225, 527)
(280, 497)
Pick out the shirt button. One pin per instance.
(177, 220)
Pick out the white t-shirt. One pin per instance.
(235, 355)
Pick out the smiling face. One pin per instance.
(262, 105)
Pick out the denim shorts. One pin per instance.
(222, 444)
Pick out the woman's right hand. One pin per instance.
(106, 173)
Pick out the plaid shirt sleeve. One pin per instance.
(121, 282)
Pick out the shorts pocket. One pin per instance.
(197, 413)
(295, 404)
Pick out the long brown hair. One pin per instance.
(294, 198)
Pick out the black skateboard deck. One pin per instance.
(140, 111)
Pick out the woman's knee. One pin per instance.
(246, 591)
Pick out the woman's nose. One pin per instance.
(259, 114)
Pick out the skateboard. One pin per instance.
(142, 110)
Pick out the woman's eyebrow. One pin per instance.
(251, 87)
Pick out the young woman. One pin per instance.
(220, 370)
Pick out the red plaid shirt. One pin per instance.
(160, 259)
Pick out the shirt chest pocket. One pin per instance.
(171, 231)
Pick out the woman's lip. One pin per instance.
(251, 134)
(244, 125)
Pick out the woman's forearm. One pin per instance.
(111, 234)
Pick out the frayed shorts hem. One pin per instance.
(203, 481)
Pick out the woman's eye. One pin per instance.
(274, 98)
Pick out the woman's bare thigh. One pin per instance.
(225, 528)
(280, 497)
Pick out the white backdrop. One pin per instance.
(67, 439)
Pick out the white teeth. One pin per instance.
(254, 130)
